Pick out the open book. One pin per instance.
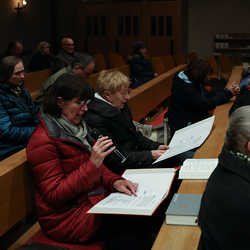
(197, 168)
(188, 138)
(154, 186)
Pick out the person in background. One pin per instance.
(140, 66)
(15, 48)
(110, 114)
(66, 55)
(42, 58)
(224, 213)
(70, 176)
(18, 114)
(83, 66)
(190, 101)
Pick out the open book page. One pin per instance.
(197, 168)
(188, 138)
(154, 185)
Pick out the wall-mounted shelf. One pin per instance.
(231, 43)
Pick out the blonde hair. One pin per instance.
(111, 81)
(40, 46)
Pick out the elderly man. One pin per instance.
(66, 55)
(83, 66)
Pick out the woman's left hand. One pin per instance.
(126, 186)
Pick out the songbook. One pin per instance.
(197, 168)
(188, 138)
(184, 209)
(154, 186)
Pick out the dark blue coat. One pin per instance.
(189, 104)
(18, 118)
(140, 70)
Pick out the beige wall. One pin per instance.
(207, 17)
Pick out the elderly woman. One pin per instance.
(109, 113)
(190, 101)
(18, 115)
(224, 214)
(68, 172)
(42, 58)
(140, 66)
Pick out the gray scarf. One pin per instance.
(79, 131)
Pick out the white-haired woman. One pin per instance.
(224, 214)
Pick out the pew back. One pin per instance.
(34, 80)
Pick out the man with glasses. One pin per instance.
(83, 66)
(66, 55)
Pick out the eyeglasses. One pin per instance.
(125, 93)
(80, 103)
(86, 73)
(69, 45)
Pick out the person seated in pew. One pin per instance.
(83, 66)
(70, 176)
(242, 99)
(190, 102)
(66, 54)
(110, 114)
(42, 58)
(224, 213)
(140, 66)
(18, 114)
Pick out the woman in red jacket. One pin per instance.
(68, 171)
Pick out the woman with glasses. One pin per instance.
(69, 175)
(18, 114)
(110, 114)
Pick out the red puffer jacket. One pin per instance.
(67, 183)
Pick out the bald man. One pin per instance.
(66, 55)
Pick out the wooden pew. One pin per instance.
(16, 190)
(188, 237)
(34, 80)
(146, 97)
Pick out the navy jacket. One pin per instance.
(140, 70)
(18, 118)
(224, 214)
(189, 104)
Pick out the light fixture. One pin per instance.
(19, 7)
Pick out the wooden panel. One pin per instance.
(34, 80)
(16, 190)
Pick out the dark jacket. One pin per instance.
(189, 104)
(40, 61)
(242, 99)
(18, 118)
(64, 59)
(224, 214)
(140, 70)
(118, 126)
(64, 177)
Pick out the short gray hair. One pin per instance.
(82, 60)
(238, 131)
